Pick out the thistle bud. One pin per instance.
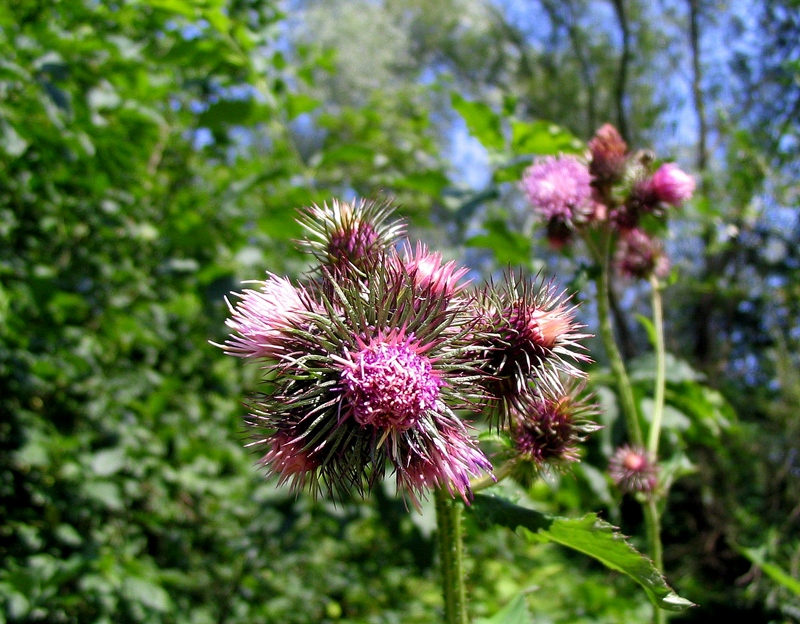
(633, 470)
(639, 256)
(672, 186)
(609, 153)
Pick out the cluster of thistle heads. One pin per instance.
(625, 195)
(384, 361)
(615, 190)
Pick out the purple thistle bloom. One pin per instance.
(366, 376)
(388, 383)
(671, 185)
(633, 470)
(559, 187)
(261, 318)
(639, 256)
(529, 333)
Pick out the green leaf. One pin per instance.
(299, 103)
(482, 122)
(430, 182)
(515, 612)
(649, 327)
(509, 247)
(756, 555)
(542, 138)
(225, 112)
(589, 535)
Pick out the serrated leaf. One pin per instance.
(589, 535)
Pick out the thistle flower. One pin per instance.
(652, 194)
(559, 188)
(639, 256)
(671, 185)
(633, 470)
(261, 317)
(389, 383)
(528, 333)
(349, 235)
(547, 432)
(369, 375)
(427, 270)
(609, 153)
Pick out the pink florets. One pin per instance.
(428, 272)
(261, 315)
(287, 459)
(389, 385)
(442, 454)
(559, 187)
(671, 185)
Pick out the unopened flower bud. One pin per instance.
(671, 185)
(639, 256)
(609, 153)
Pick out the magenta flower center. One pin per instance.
(389, 385)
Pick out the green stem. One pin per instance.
(451, 553)
(500, 473)
(624, 389)
(653, 521)
(661, 367)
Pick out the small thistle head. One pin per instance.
(260, 318)
(559, 187)
(609, 153)
(428, 271)
(529, 334)
(640, 256)
(672, 186)
(633, 470)
(349, 235)
(547, 433)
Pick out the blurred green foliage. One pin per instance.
(152, 154)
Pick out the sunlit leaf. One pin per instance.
(589, 535)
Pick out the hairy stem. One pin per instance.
(451, 554)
